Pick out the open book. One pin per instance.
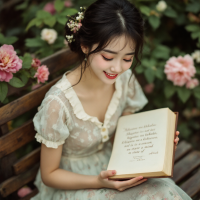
(144, 145)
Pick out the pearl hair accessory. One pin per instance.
(75, 24)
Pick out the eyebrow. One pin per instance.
(132, 53)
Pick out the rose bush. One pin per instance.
(170, 64)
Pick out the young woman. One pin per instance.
(78, 116)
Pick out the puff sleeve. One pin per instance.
(135, 98)
(50, 122)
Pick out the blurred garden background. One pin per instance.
(170, 66)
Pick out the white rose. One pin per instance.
(49, 35)
(161, 6)
(196, 55)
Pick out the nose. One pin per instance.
(116, 68)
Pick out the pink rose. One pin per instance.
(24, 191)
(42, 74)
(192, 83)
(9, 62)
(68, 3)
(149, 88)
(49, 7)
(180, 70)
(35, 63)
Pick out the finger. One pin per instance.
(134, 184)
(106, 174)
(177, 132)
(129, 182)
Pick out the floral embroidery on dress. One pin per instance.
(61, 120)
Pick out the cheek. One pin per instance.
(127, 65)
(99, 63)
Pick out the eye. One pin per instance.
(128, 60)
(107, 59)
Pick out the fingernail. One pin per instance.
(140, 177)
(113, 171)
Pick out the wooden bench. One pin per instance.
(16, 172)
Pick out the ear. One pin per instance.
(84, 49)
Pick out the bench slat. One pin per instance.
(16, 138)
(182, 149)
(192, 185)
(16, 182)
(186, 165)
(27, 161)
(27, 102)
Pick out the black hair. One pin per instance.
(103, 21)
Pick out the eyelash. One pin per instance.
(111, 59)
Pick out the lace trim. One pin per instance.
(78, 108)
(48, 143)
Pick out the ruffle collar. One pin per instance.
(78, 109)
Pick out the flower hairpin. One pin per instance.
(75, 24)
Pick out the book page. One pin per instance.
(140, 143)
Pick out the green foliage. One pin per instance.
(16, 82)
(3, 91)
(7, 40)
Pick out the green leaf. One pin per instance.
(24, 78)
(184, 130)
(16, 82)
(35, 42)
(169, 12)
(169, 90)
(32, 72)
(50, 21)
(3, 90)
(22, 6)
(159, 74)
(39, 22)
(62, 20)
(183, 93)
(139, 69)
(195, 35)
(149, 75)
(154, 21)
(27, 60)
(161, 51)
(196, 92)
(145, 62)
(32, 23)
(145, 10)
(192, 28)
(193, 7)
(7, 40)
(42, 14)
(59, 5)
(25, 73)
(197, 70)
(69, 11)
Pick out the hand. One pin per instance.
(119, 185)
(176, 139)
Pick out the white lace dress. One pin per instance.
(61, 119)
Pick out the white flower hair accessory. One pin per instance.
(75, 24)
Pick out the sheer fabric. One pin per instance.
(61, 119)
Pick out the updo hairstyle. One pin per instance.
(103, 21)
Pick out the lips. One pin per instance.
(110, 77)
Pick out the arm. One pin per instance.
(55, 177)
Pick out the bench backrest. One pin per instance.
(16, 172)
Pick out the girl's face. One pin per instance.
(114, 60)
